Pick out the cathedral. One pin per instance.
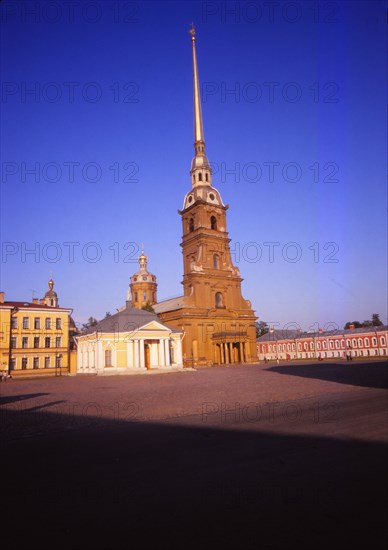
(218, 323)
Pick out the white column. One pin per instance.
(167, 351)
(142, 360)
(161, 351)
(136, 354)
(130, 363)
(178, 351)
(101, 358)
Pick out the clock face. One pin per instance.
(211, 196)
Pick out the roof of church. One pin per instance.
(127, 320)
(169, 305)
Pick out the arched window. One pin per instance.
(216, 261)
(207, 176)
(299, 346)
(324, 344)
(331, 344)
(200, 177)
(318, 345)
(219, 301)
(366, 342)
(144, 296)
(374, 341)
(191, 224)
(337, 344)
(305, 346)
(108, 358)
(213, 222)
(382, 340)
(135, 296)
(354, 343)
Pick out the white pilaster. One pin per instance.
(136, 363)
(130, 363)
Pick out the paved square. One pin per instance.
(258, 456)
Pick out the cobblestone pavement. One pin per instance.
(243, 456)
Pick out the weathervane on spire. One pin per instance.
(192, 31)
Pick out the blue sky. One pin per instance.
(99, 101)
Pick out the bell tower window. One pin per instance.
(213, 222)
(191, 224)
(200, 177)
(216, 261)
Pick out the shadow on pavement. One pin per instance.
(370, 375)
(99, 483)
(5, 400)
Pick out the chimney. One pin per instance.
(42, 302)
(35, 300)
(1, 297)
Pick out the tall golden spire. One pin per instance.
(200, 167)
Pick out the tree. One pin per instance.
(92, 322)
(261, 328)
(108, 314)
(356, 324)
(376, 322)
(148, 307)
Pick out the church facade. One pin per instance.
(218, 323)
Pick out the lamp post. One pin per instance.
(11, 313)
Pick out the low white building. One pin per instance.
(130, 341)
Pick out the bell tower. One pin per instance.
(219, 323)
(143, 285)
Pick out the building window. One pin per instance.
(108, 358)
(144, 296)
(36, 341)
(213, 222)
(47, 323)
(58, 361)
(200, 177)
(382, 340)
(359, 343)
(337, 344)
(26, 322)
(324, 344)
(13, 342)
(58, 323)
(136, 297)
(216, 261)
(354, 343)
(13, 364)
(366, 342)
(25, 342)
(219, 300)
(37, 323)
(374, 341)
(14, 322)
(343, 344)
(207, 176)
(191, 224)
(58, 342)
(35, 363)
(319, 345)
(305, 346)
(24, 363)
(331, 344)
(299, 346)
(47, 342)
(47, 362)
